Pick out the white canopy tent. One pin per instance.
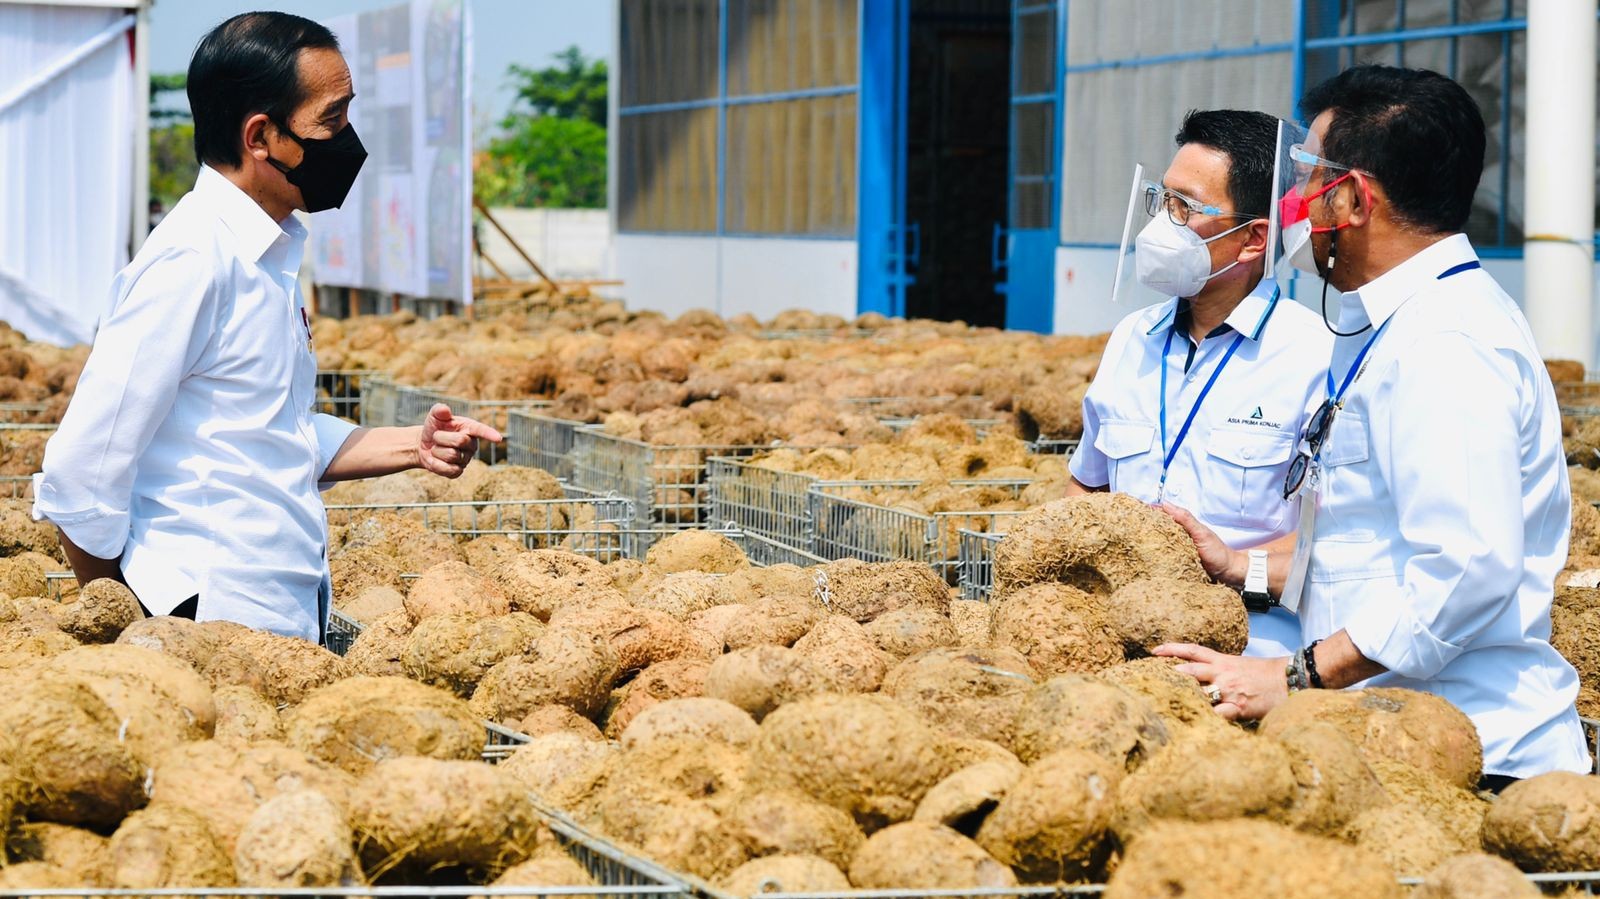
(74, 158)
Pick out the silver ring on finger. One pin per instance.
(1213, 693)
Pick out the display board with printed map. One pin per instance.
(406, 226)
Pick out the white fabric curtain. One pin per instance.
(66, 172)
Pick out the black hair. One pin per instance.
(247, 65)
(1250, 140)
(1417, 132)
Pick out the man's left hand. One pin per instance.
(1246, 689)
(448, 443)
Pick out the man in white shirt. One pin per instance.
(189, 461)
(1442, 507)
(1238, 361)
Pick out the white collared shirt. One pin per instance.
(190, 450)
(1444, 508)
(1229, 469)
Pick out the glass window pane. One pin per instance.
(667, 169)
(787, 45)
(792, 167)
(1115, 118)
(1030, 205)
(1035, 53)
(1032, 131)
(668, 50)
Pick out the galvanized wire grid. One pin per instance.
(414, 403)
(541, 441)
(1046, 447)
(666, 483)
(537, 523)
(975, 563)
(760, 500)
(903, 407)
(380, 402)
(28, 417)
(849, 528)
(339, 392)
(16, 486)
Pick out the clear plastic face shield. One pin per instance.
(1286, 175)
(1126, 289)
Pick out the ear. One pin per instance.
(254, 134)
(1255, 241)
(1362, 199)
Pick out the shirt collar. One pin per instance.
(1380, 297)
(1249, 317)
(255, 231)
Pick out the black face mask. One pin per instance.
(328, 169)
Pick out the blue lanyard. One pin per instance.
(1355, 367)
(1170, 453)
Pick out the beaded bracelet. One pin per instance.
(1310, 656)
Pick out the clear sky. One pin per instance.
(504, 32)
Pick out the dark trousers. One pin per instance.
(186, 609)
(1494, 783)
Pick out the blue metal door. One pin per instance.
(1025, 249)
(887, 246)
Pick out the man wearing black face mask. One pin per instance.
(188, 463)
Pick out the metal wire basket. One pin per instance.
(760, 500)
(541, 441)
(582, 517)
(380, 402)
(666, 483)
(16, 487)
(975, 564)
(415, 402)
(339, 392)
(847, 527)
(29, 416)
(890, 408)
(1045, 447)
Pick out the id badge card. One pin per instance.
(1300, 562)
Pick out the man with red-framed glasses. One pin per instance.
(1435, 503)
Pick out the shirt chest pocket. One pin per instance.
(1128, 447)
(1242, 484)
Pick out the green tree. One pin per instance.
(552, 149)
(172, 164)
(574, 88)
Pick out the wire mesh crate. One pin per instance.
(541, 441)
(339, 392)
(415, 402)
(30, 416)
(848, 526)
(1046, 447)
(380, 402)
(975, 564)
(581, 517)
(500, 742)
(759, 500)
(666, 483)
(890, 408)
(342, 631)
(16, 487)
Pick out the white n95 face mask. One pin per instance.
(1297, 247)
(1171, 259)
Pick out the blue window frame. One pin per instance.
(765, 145)
(1480, 44)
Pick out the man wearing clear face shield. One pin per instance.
(1198, 399)
(1432, 479)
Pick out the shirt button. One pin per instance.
(1190, 379)
(1247, 453)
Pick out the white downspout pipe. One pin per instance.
(1558, 261)
(141, 126)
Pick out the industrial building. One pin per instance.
(970, 159)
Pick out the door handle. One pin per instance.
(996, 261)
